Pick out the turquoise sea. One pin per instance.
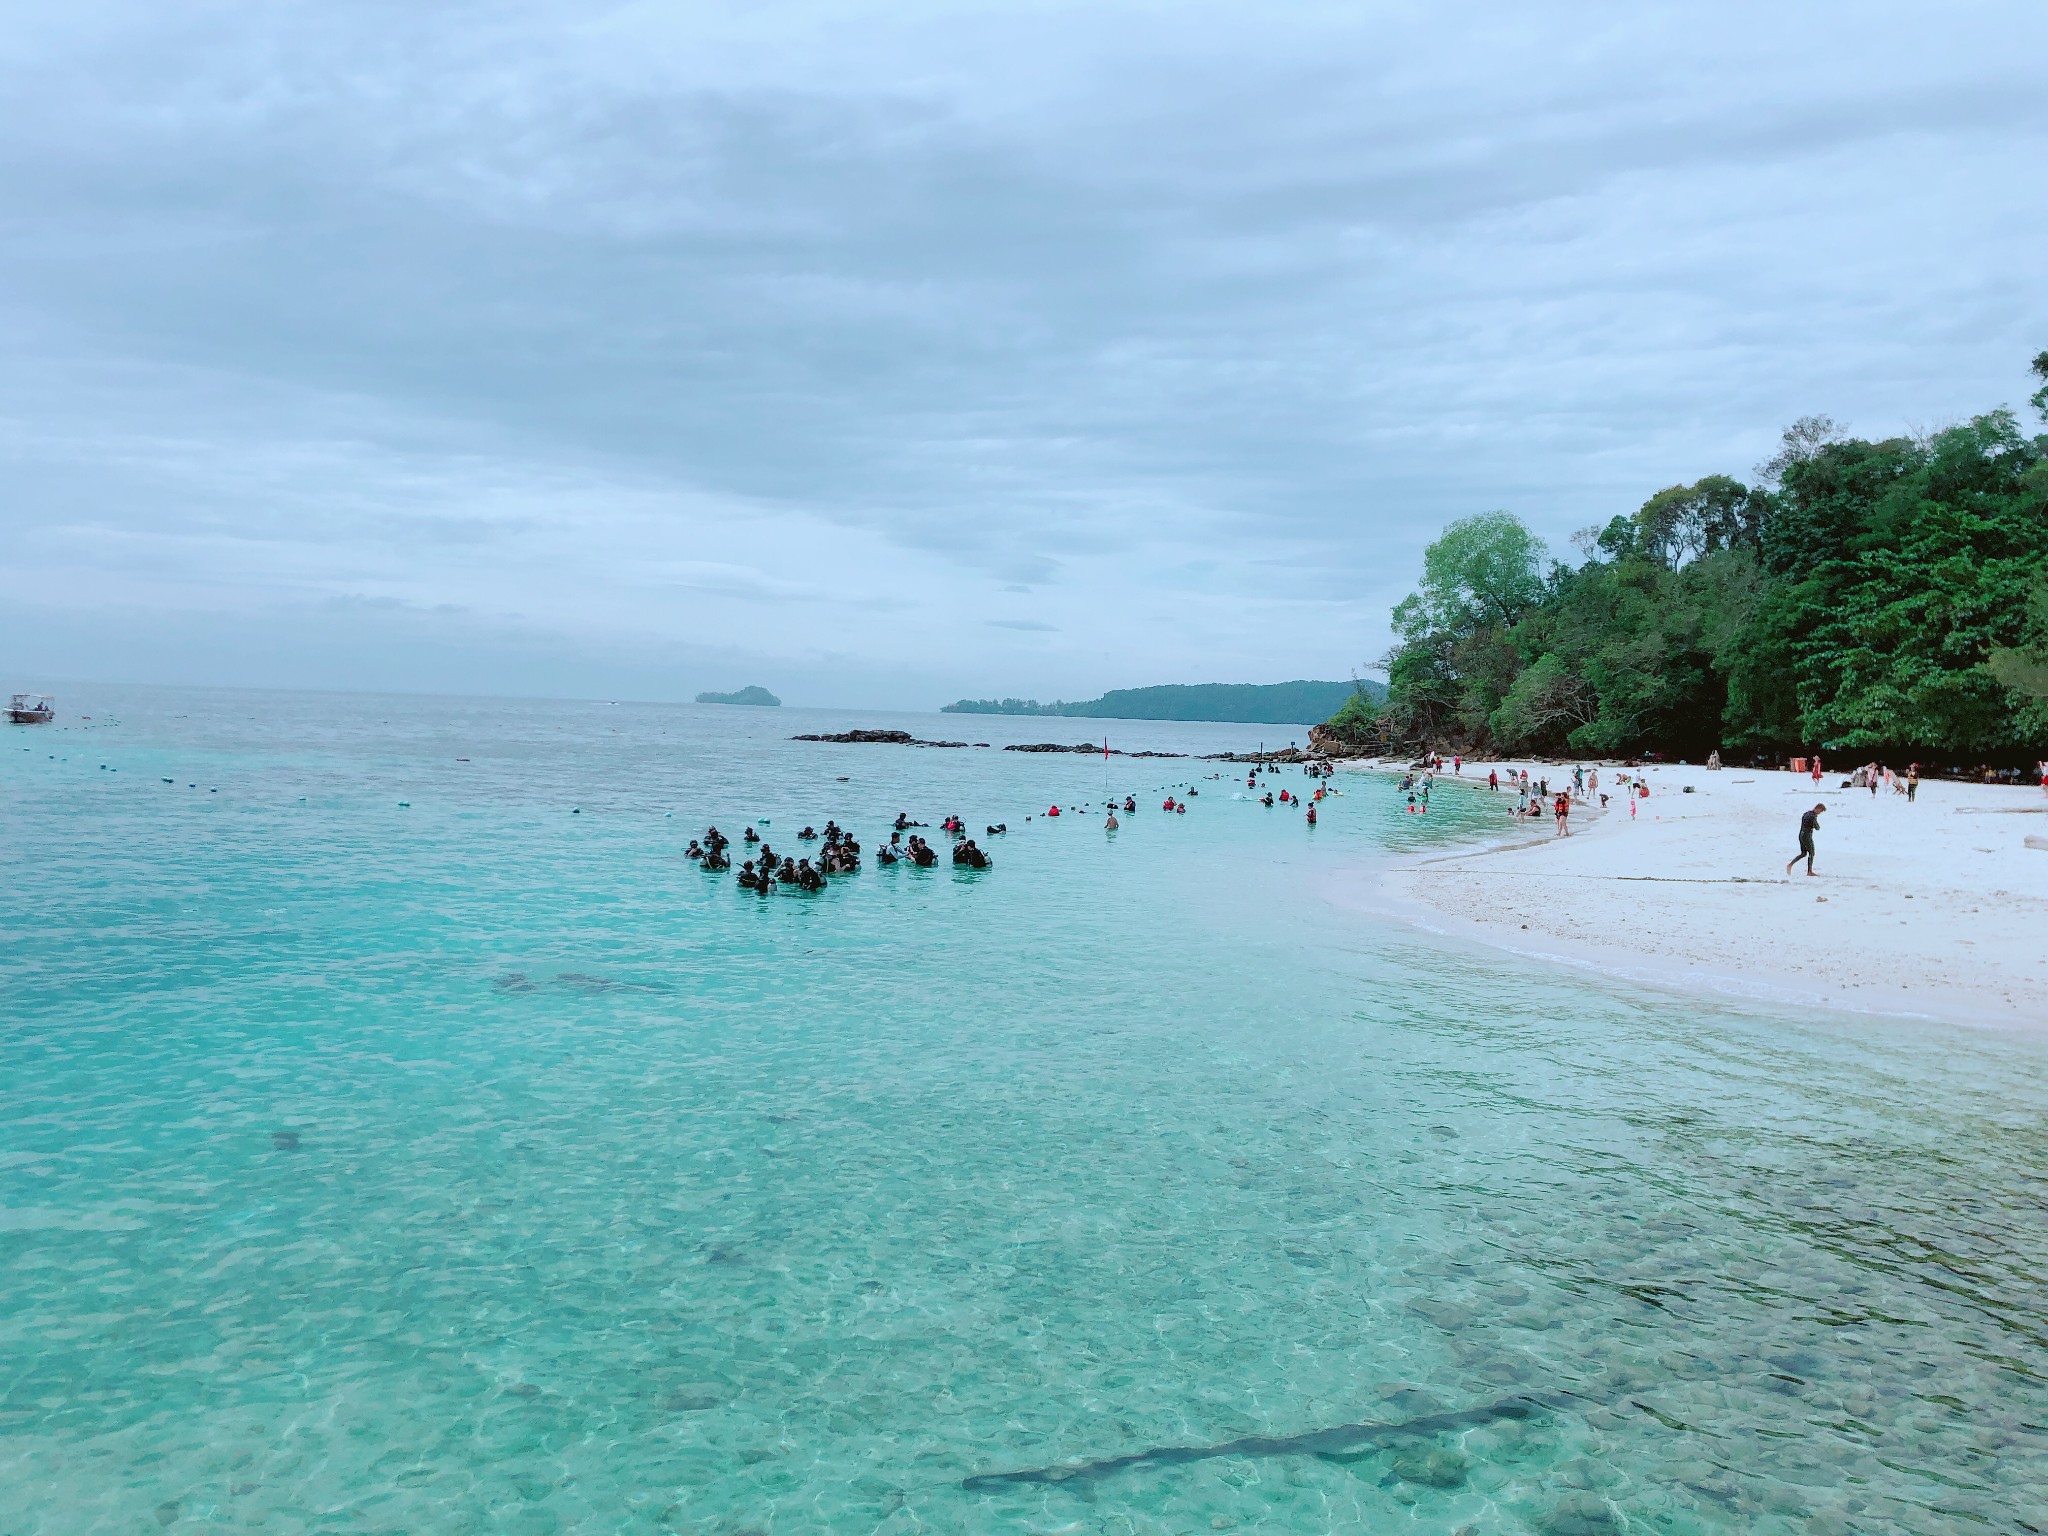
(398, 1135)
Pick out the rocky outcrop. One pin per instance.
(884, 738)
(1324, 742)
(1284, 755)
(1085, 746)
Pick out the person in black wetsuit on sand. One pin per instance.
(1808, 825)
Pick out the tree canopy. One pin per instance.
(1888, 597)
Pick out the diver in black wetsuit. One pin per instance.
(1808, 825)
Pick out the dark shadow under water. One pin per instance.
(1342, 1443)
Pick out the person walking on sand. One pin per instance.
(1808, 825)
(1816, 771)
(1563, 810)
(1913, 782)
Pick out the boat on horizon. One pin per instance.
(31, 709)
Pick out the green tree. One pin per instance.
(2024, 668)
(1868, 595)
(1486, 569)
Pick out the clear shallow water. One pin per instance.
(480, 1166)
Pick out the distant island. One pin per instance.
(1297, 703)
(753, 695)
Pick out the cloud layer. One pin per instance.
(886, 354)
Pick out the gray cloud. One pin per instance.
(787, 339)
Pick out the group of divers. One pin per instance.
(839, 853)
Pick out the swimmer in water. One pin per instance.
(1110, 824)
(1130, 805)
(693, 851)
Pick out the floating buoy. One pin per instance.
(578, 811)
(170, 781)
(405, 805)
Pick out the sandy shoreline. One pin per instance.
(1934, 909)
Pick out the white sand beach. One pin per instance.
(1935, 908)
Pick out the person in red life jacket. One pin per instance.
(1167, 804)
(1493, 778)
(1180, 808)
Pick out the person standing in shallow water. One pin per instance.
(1808, 825)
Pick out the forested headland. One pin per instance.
(1296, 703)
(1887, 599)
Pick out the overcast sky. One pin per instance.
(881, 354)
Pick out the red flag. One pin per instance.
(1105, 749)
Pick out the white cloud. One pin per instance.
(813, 333)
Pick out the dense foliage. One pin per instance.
(1888, 598)
(1297, 703)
